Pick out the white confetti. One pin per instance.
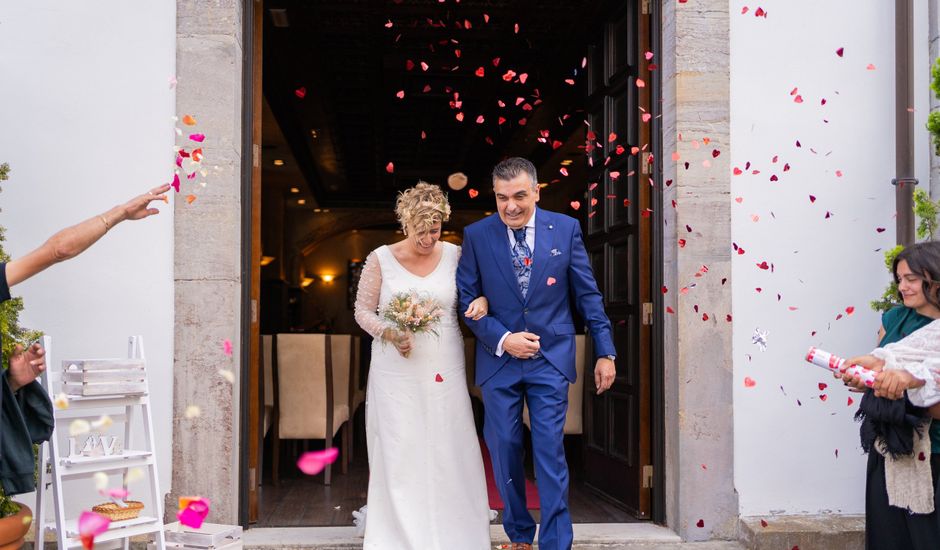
(193, 411)
(228, 375)
(101, 481)
(134, 474)
(61, 401)
(102, 423)
(760, 338)
(79, 427)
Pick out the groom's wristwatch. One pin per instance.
(611, 357)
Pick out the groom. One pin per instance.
(529, 263)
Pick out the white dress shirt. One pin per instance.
(529, 240)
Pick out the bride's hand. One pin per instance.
(478, 309)
(403, 341)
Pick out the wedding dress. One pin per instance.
(426, 484)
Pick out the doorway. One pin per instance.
(355, 101)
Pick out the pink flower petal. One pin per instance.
(313, 462)
(227, 347)
(197, 137)
(194, 514)
(176, 182)
(92, 524)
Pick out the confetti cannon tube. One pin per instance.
(835, 363)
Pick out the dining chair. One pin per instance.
(574, 419)
(312, 378)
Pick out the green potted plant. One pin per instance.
(15, 517)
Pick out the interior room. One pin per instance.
(362, 99)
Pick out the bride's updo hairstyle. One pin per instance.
(421, 206)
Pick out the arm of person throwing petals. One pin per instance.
(74, 240)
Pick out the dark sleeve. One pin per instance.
(4, 287)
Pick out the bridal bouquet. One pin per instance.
(412, 312)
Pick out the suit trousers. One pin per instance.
(545, 390)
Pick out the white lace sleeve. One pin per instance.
(367, 297)
(918, 354)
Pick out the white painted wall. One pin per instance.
(86, 121)
(785, 454)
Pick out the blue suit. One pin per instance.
(560, 272)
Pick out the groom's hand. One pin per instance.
(521, 345)
(604, 373)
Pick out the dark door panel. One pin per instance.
(617, 442)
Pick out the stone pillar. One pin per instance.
(698, 359)
(207, 259)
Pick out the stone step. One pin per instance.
(628, 536)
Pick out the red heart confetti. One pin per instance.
(438, 378)
(822, 386)
(550, 281)
(473, 193)
(823, 397)
(840, 52)
(763, 523)
(849, 402)
(749, 382)
(763, 265)
(300, 92)
(575, 204)
(390, 167)
(700, 523)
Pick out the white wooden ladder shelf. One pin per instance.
(96, 392)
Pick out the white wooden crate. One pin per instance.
(93, 377)
(208, 537)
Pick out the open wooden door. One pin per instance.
(255, 391)
(617, 235)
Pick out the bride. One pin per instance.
(426, 483)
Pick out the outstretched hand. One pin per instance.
(138, 208)
(26, 366)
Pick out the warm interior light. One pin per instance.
(314, 134)
(306, 281)
(265, 260)
(566, 162)
(317, 210)
(301, 201)
(327, 278)
(294, 190)
(278, 162)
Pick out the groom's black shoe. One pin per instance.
(521, 546)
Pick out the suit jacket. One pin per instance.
(560, 272)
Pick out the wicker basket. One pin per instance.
(114, 512)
